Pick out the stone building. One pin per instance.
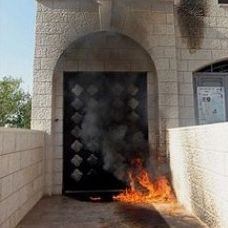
(127, 37)
(116, 80)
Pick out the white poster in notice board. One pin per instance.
(211, 105)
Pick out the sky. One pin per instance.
(17, 39)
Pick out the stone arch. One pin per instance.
(108, 40)
(105, 52)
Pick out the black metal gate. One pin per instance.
(95, 105)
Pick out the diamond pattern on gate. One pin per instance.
(117, 103)
(92, 103)
(133, 116)
(92, 90)
(77, 160)
(76, 132)
(133, 90)
(117, 89)
(77, 104)
(77, 90)
(92, 159)
(92, 173)
(76, 146)
(77, 118)
(117, 116)
(77, 175)
(133, 103)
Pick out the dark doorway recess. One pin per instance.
(94, 104)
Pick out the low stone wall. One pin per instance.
(199, 167)
(21, 173)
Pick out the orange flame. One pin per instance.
(143, 190)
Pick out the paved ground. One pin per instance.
(64, 212)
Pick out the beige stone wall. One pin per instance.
(214, 48)
(198, 160)
(21, 173)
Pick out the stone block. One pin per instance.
(194, 65)
(186, 89)
(1, 143)
(59, 114)
(211, 33)
(37, 64)
(160, 29)
(182, 65)
(17, 180)
(59, 101)
(162, 64)
(54, 17)
(14, 162)
(217, 54)
(91, 66)
(7, 186)
(188, 77)
(22, 141)
(160, 18)
(58, 178)
(71, 65)
(58, 152)
(199, 55)
(48, 63)
(167, 112)
(42, 113)
(57, 189)
(58, 165)
(42, 88)
(9, 142)
(42, 101)
(4, 165)
(117, 66)
(170, 18)
(169, 123)
(58, 126)
(3, 210)
(167, 88)
(42, 75)
(170, 52)
(172, 64)
(44, 125)
(25, 158)
(189, 101)
(167, 75)
(223, 44)
(165, 40)
(44, 6)
(58, 139)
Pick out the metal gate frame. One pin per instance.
(65, 188)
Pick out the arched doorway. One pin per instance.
(89, 70)
(211, 93)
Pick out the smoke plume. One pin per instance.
(109, 129)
